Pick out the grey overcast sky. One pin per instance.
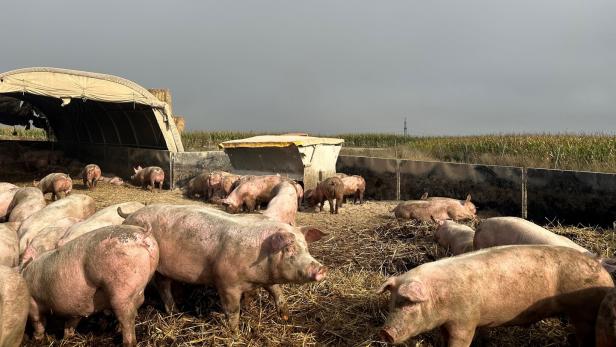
(449, 66)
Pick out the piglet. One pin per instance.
(108, 268)
(251, 193)
(354, 186)
(149, 177)
(56, 184)
(91, 174)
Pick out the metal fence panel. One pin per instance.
(380, 175)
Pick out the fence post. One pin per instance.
(398, 179)
(524, 193)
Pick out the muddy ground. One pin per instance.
(364, 246)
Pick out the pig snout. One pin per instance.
(388, 335)
(317, 272)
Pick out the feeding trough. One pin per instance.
(303, 158)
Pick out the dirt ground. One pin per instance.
(365, 245)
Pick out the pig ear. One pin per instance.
(414, 291)
(424, 196)
(135, 169)
(437, 221)
(312, 234)
(280, 240)
(468, 198)
(388, 285)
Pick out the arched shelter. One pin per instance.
(85, 108)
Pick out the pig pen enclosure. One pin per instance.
(365, 245)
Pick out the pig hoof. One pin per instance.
(39, 336)
(284, 313)
(69, 332)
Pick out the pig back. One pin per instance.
(25, 203)
(9, 246)
(500, 231)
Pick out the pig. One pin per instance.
(231, 182)
(425, 210)
(283, 206)
(198, 186)
(340, 175)
(214, 183)
(105, 217)
(356, 186)
(14, 305)
(251, 193)
(9, 245)
(148, 177)
(55, 183)
(47, 239)
(330, 189)
(235, 253)
(5, 201)
(115, 180)
(500, 231)
(4, 186)
(25, 203)
(605, 329)
(77, 206)
(500, 286)
(457, 238)
(108, 268)
(300, 193)
(91, 174)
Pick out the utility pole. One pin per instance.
(404, 126)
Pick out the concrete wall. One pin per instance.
(571, 197)
(497, 189)
(381, 175)
(187, 165)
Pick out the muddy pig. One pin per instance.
(77, 206)
(9, 245)
(440, 209)
(148, 177)
(47, 239)
(234, 253)
(458, 238)
(283, 206)
(500, 231)
(90, 175)
(25, 203)
(198, 186)
(55, 183)
(330, 189)
(4, 186)
(5, 201)
(105, 269)
(355, 186)
(102, 218)
(219, 184)
(14, 304)
(252, 192)
(605, 329)
(474, 290)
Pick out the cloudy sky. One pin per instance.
(449, 66)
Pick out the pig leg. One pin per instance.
(584, 330)
(126, 311)
(37, 319)
(459, 335)
(70, 325)
(230, 299)
(250, 205)
(163, 285)
(160, 186)
(278, 297)
(331, 205)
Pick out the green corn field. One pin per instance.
(588, 152)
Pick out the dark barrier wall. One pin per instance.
(571, 197)
(187, 165)
(497, 189)
(120, 160)
(380, 175)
